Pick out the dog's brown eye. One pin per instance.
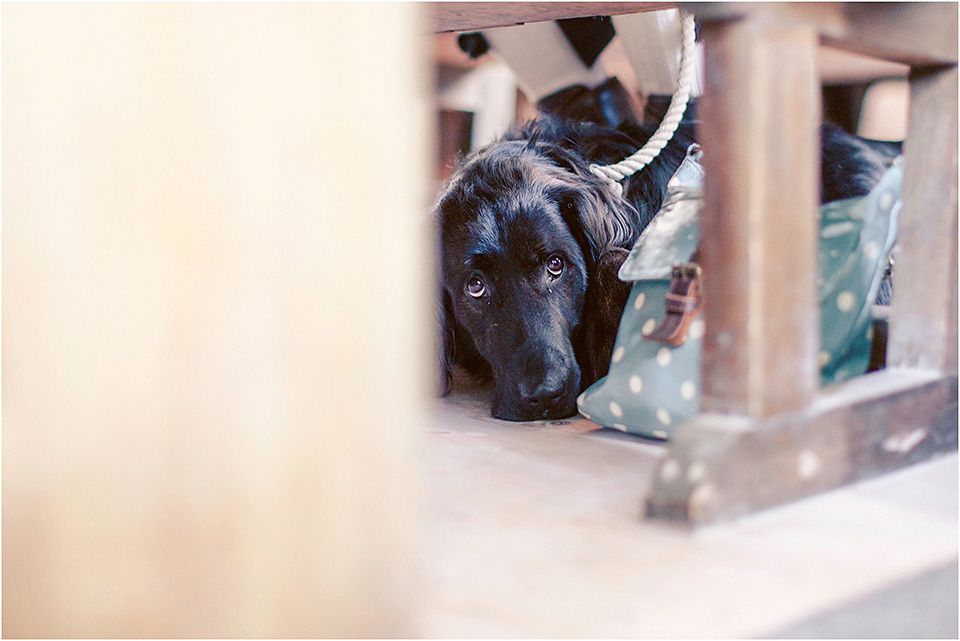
(555, 265)
(475, 287)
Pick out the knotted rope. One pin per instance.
(671, 120)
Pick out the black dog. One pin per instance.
(531, 242)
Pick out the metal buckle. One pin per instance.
(690, 270)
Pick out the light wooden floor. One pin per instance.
(534, 530)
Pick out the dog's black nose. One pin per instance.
(548, 392)
(541, 384)
(537, 399)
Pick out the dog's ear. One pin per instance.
(601, 316)
(447, 340)
(456, 348)
(590, 206)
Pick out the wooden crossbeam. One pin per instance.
(474, 16)
(722, 466)
(914, 33)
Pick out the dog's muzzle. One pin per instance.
(541, 383)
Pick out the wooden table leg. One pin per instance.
(923, 324)
(767, 434)
(760, 114)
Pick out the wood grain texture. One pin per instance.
(821, 16)
(759, 129)
(914, 33)
(923, 324)
(721, 467)
(208, 432)
(474, 16)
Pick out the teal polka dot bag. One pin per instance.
(654, 378)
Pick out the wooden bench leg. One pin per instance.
(767, 434)
(923, 319)
(759, 113)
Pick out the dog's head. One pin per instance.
(522, 225)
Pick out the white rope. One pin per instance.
(671, 120)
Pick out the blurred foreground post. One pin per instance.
(216, 318)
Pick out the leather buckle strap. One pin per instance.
(683, 302)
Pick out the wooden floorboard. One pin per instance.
(535, 531)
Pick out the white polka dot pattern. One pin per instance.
(845, 301)
(651, 386)
(886, 200)
(837, 229)
(663, 357)
(615, 409)
(648, 326)
(696, 329)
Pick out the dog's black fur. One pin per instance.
(531, 242)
